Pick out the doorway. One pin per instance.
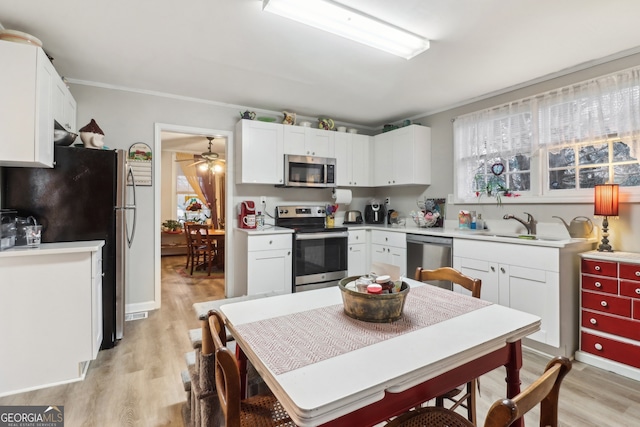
(169, 140)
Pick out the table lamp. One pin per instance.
(606, 204)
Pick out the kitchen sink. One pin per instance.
(520, 236)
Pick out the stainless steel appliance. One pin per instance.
(429, 252)
(320, 253)
(353, 217)
(84, 197)
(309, 171)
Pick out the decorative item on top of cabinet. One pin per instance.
(610, 312)
(289, 118)
(91, 135)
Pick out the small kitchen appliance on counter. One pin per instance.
(320, 252)
(352, 217)
(375, 213)
(247, 214)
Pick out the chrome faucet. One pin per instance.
(530, 223)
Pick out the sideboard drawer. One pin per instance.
(628, 354)
(600, 284)
(606, 303)
(630, 289)
(600, 268)
(614, 325)
(630, 271)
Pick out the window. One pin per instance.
(555, 145)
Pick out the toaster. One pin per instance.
(352, 217)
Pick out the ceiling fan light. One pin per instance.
(340, 20)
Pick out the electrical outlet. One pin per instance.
(387, 201)
(263, 200)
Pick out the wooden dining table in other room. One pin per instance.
(328, 369)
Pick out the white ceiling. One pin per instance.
(230, 51)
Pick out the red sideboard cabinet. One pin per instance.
(610, 312)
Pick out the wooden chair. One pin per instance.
(468, 398)
(545, 390)
(200, 247)
(255, 411)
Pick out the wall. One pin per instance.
(622, 237)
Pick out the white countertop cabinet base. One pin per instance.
(538, 280)
(50, 316)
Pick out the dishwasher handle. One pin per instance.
(433, 240)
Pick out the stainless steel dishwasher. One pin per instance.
(429, 252)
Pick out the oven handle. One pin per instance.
(327, 235)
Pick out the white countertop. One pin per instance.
(268, 229)
(556, 241)
(53, 248)
(628, 257)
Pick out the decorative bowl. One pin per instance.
(383, 308)
(63, 137)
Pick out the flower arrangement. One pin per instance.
(194, 206)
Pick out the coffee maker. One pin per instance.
(247, 214)
(375, 213)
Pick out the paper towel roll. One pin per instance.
(342, 197)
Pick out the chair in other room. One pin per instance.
(200, 247)
(468, 398)
(187, 237)
(544, 391)
(255, 411)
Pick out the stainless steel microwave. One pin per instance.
(309, 171)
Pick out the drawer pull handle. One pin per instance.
(598, 285)
(638, 291)
(493, 269)
(598, 346)
(270, 241)
(503, 270)
(603, 303)
(637, 273)
(593, 321)
(597, 268)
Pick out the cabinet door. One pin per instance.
(398, 257)
(320, 142)
(357, 260)
(343, 159)
(382, 160)
(295, 140)
(96, 302)
(403, 157)
(261, 153)
(483, 270)
(360, 160)
(269, 271)
(379, 253)
(536, 292)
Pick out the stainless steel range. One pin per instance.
(320, 253)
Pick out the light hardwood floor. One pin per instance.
(137, 383)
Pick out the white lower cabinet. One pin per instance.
(390, 248)
(357, 255)
(50, 314)
(269, 264)
(539, 280)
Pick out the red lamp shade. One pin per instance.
(606, 200)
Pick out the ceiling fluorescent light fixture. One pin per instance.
(340, 20)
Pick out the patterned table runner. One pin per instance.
(293, 341)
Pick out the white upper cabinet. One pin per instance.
(306, 141)
(64, 106)
(26, 96)
(403, 157)
(353, 160)
(259, 146)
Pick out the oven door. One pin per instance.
(320, 259)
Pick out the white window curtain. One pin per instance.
(597, 109)
(495, 133)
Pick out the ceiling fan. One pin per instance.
(208, 157)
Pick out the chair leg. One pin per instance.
(471, 404)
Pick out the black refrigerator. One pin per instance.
(85, 196)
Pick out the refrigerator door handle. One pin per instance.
(132, 207)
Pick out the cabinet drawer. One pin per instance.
(614, 325)
(600, 284)
(357, 236)
(606, 303)
(626, 353)
(600, 268)
(273, 241)
(387, 238)
(630, 289)
(630, 271)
